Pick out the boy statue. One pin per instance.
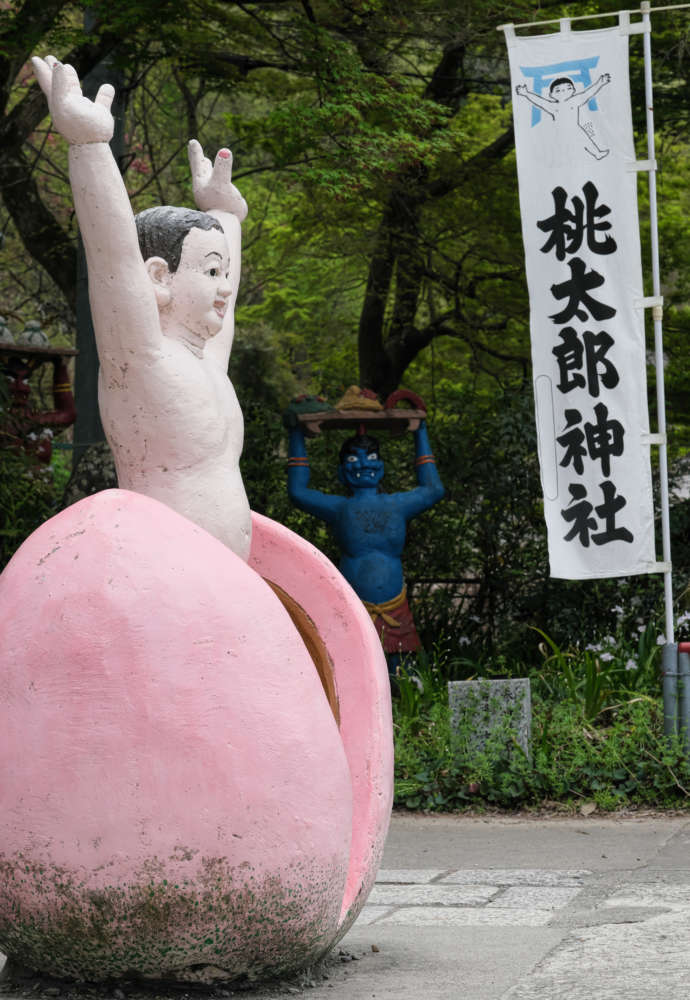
(162, 289)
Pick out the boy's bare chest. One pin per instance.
(191, 403)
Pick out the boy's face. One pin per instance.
(563, 91)
(200, 286)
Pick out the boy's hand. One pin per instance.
(78, 119)
(521, 88)
(212, 184)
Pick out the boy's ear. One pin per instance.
(159, 273)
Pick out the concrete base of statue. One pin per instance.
(197, 773)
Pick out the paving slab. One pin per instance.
(494, 916)
(445, 895)
(672, 897)
(643, 961)
(514, 876)
(407, 876)
(535, 897)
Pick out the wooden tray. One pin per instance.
(396, 421)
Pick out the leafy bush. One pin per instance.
(626, 762)
(30, 493)
(603, 675)
(597, 734)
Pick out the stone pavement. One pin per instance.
(523, 908)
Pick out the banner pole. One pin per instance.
(591, 17)
(657, 313)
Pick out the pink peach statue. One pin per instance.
(196, 749)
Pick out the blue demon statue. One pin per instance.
(370, 527)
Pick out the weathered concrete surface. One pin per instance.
(516, 908)
(579, 908)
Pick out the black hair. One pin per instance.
(559, 81)
(358, 441)
(161, 231)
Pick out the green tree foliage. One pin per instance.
(394, 116)
(31, 178)
(373, 141)
(362, 129)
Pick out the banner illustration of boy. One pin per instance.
(564, 105)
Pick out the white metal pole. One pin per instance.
(657, 312)
(598, 16)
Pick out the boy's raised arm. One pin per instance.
(589, 92)
(543, 103)
(215, 193)
(123, 303)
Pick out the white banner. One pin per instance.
(578, 201)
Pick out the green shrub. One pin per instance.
(603, 675)
(30, 493)
(622, 760)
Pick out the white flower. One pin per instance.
(631, 665)
(661, 640)
(618, 610)
(463, 641)
(606, 657)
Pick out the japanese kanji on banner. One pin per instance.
(578, 201)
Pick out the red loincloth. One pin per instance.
(400, 638)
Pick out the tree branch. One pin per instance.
(17, 42)
(28, 113)
(373, 360)
(40, 232)
(496, 150)
(444, 86)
